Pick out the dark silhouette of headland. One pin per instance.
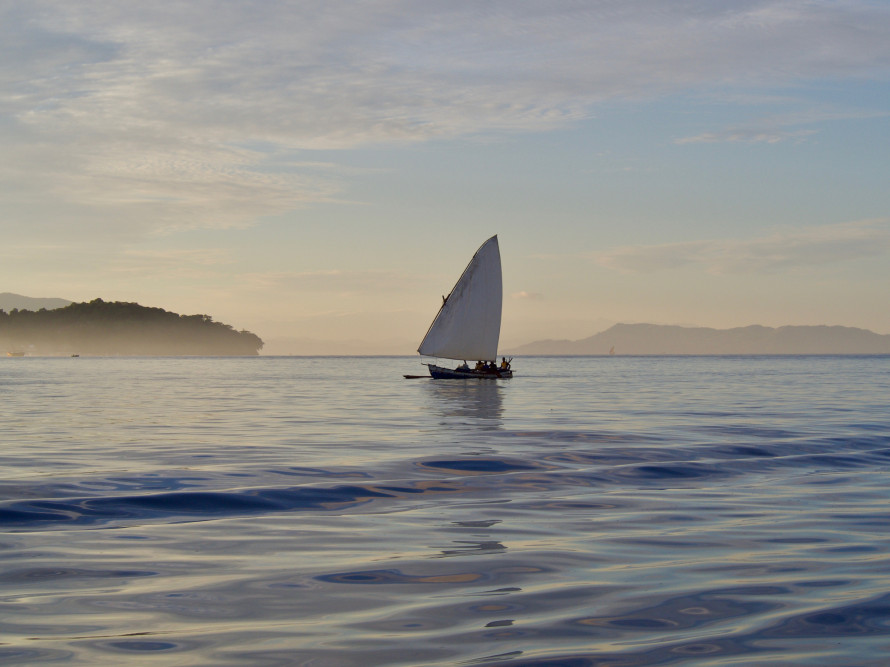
(661, 339)
(118, 328)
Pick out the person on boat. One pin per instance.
(504, 364)
(463, 366)
(480, 366)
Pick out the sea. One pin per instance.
(591, 511)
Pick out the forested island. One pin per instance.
(119, 328)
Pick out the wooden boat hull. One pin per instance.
(443, 373)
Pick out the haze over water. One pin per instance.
(326, 511)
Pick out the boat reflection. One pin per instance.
(478, 402)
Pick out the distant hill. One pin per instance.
(661, 339)
(9, 301)
(119, 328)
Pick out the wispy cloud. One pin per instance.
(778, 252)
(332, 280)
(177, 257)
(110, 107)
(747, 135)
(781, 127)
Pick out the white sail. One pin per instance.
(469, 324)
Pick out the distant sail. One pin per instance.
(468, 325)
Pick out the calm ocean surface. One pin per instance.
(327, 512)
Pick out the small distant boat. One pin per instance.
(612, 350)
(468, 325)
(15, 354)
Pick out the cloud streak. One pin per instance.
(527, 296)
(782, 127)
(747, 135)
(332, 280)
(776, 253)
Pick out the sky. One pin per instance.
(320, 172)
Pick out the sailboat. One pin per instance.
(468, 324)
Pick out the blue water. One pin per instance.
(309, 511)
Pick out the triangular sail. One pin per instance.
(469, 324)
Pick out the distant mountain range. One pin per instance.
(661, 339)
(8, 301)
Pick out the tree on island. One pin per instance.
(120, 328)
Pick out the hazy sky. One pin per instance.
(325, 169)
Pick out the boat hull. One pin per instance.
(443, 373)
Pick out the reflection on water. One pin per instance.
(477, 403)
(327, 512)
